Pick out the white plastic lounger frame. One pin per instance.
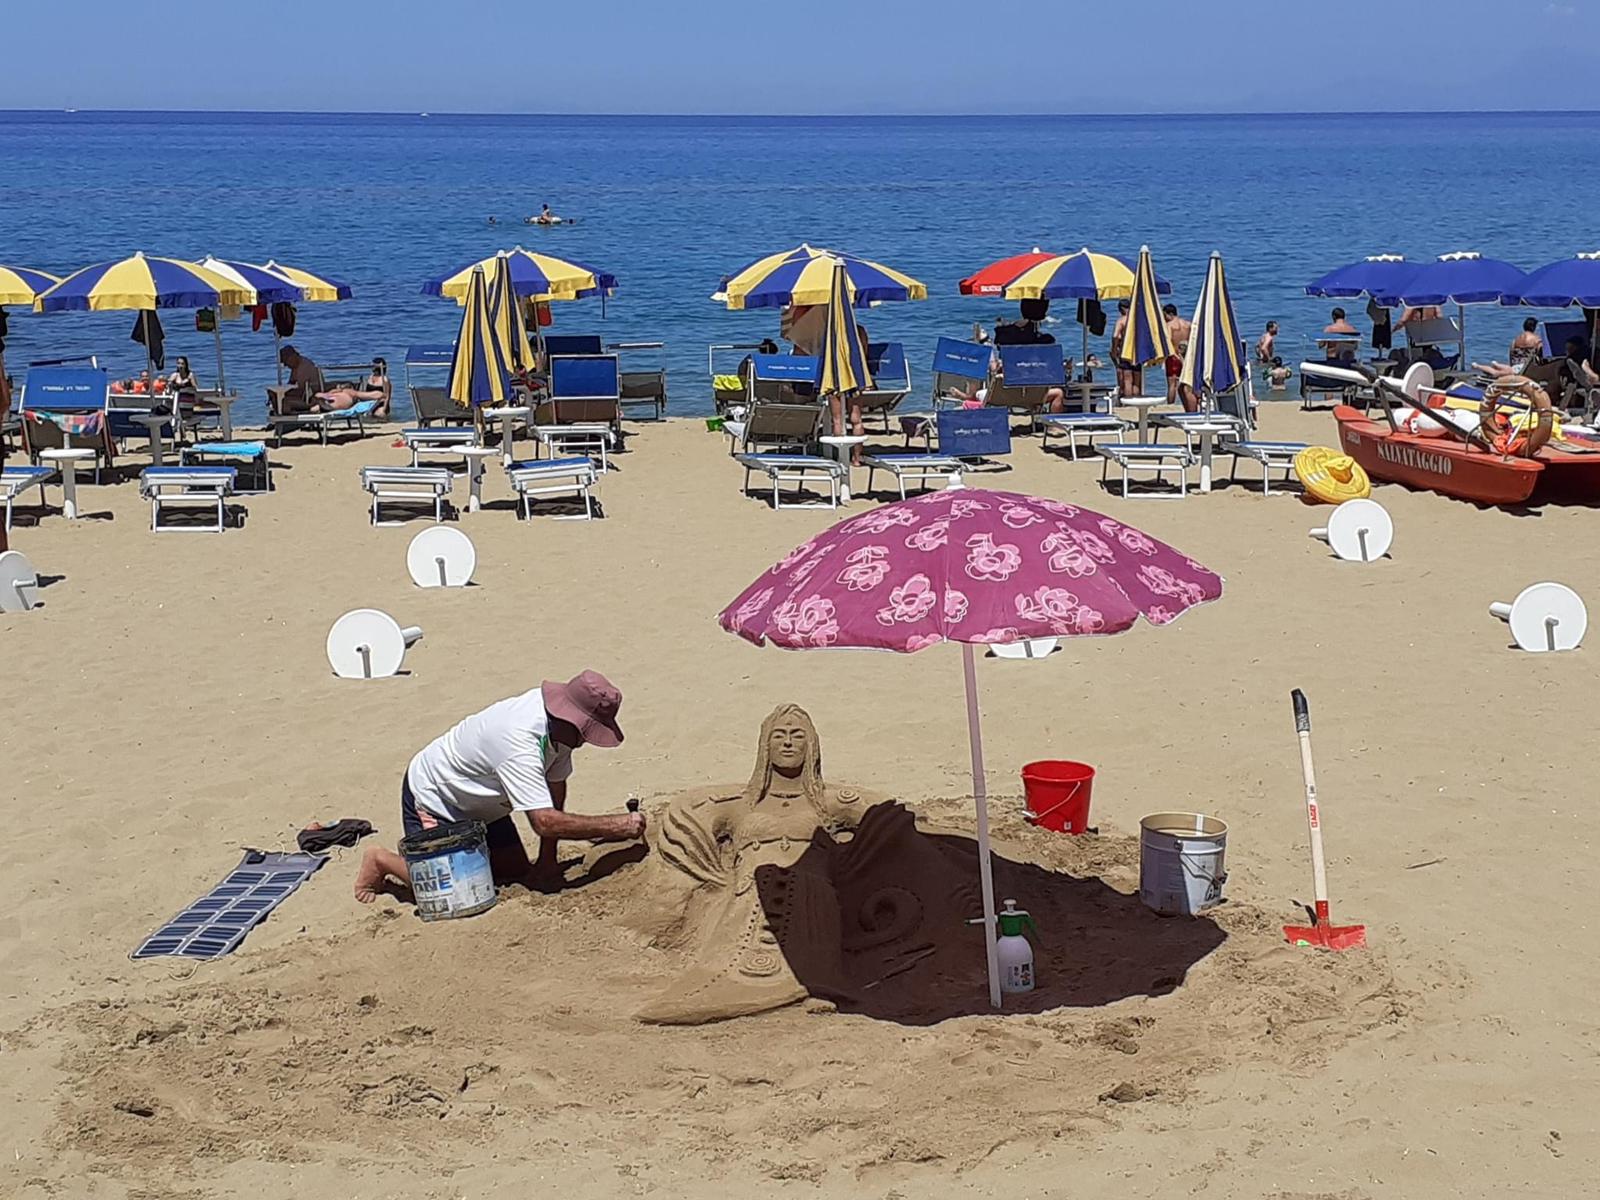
(1545, 617)
(441, 439)
(1273, 456)
(18, 479)
(1149, 456)
(368, 644)
(407, 485)
(319, 421)
(186, 487)
(548, 477)
(441, 556)
(798, 470)
(19, 582)
(587, 438)
(926, 469)
(1085, 425)
(1358, 531)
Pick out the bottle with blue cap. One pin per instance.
(1013, 950)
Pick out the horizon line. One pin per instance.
(929, 115)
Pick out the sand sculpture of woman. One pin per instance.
(769, 872)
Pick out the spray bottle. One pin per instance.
(1014, 951)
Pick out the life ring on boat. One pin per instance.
(1331, 477)
(1507, 435)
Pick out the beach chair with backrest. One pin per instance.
(15, 479)
(1027, 373)
(430, 363)
(786, 428)
(583, 412)
(641, 386)
(283, 418)
(1427, 342)
(891, 381)
(558, 344)
(784, 378)
(67, 408)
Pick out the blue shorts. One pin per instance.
(501, 833)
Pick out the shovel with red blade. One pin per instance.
(1324, 932)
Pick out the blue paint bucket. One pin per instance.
(449, 867)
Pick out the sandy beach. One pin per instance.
(170, 702)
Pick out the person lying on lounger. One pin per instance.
(376, 387)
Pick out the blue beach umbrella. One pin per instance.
(1561, 284)
(844, 364)
(1145, 339)
(1462, 278)
(1213, 363)
(1375, 275)
(478, 370)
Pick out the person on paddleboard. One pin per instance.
(514, 756)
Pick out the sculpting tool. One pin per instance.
(1323, 932)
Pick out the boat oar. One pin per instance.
(1324, 932)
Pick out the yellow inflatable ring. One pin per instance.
(1330, 476)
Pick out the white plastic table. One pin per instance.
(1207, 432)
(476, 457)
(507, 416)
(152, 423)
(67, 461)
(840, 447)
(1144, 404)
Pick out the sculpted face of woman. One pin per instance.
(788, 746)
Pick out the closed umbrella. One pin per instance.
(1213, 363)
(478, 370)
(505, 313)
(1145, 339)
(844, 362)
(975, 567)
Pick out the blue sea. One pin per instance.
(672, 204)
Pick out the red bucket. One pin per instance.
(1058, 794)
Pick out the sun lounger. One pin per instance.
(1028, 373)
(438, 439)
(319, 422)
(786, 428)
(1273, 456)
(1088, 426)
(186, 488)
(891, 380)
(958, 366)
(249, 458)
(583, 413)
(15, 480)
(1147, 456)
(798, 470)
(784, 378)
(411, 485)
(911, 467)
(547, 477)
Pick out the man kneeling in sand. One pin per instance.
(514, 756)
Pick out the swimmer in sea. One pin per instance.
(546, 217)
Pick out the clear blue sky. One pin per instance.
(803, 56)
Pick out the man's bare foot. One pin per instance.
(373, 880)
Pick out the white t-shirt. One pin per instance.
(494, 763)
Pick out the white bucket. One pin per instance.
(1182, 862)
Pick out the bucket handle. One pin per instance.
(1035, 818)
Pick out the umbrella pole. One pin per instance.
(980, 799)
(216, 332)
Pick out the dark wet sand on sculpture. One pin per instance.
(170, 702)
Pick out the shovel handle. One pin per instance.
(1319, 870)
(1302, 711)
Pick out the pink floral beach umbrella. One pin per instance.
(975, 567)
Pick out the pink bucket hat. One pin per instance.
(589, 701)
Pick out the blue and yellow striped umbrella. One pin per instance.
(505, 312)
(24, 285)
(269, 287)
(316, 288)
(1084, 275)
(478, 371)
(1213, 363)
(1145, 339)
(142, 282)
(804, 275)
(844, 362)
(537, 276)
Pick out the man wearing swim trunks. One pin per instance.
(1178, 331)
(514, 756)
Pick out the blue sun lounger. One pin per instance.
(15, 480)
(249, 458)
(544, 478)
